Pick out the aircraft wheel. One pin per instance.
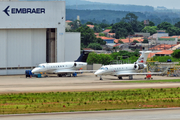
(120, 78)
(100, 78)
(59, 75)
(131, 77)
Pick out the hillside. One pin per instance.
(110, 16)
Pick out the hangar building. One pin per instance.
(32, 33)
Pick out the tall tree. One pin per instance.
(164, 26)
(151, 23)
(122, 29)
(132, 20)
(87, 35)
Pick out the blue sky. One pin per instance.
(166, 3)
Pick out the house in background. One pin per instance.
(112, 35)
(164, 53)
(106, 31)
(68, 27)
(90, 26)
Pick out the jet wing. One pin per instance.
(152, 73)
(72, 71)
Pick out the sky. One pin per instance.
(170, 4)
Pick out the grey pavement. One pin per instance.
(154, 114)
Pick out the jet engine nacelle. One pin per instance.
(75, 64)
(136, 67)
(139, 66)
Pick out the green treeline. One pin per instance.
(128, 57)
(106, 59)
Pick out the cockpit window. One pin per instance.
(103, 68)
(41, 66)
(106, 68)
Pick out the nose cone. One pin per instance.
(98, 72)
(35, 70)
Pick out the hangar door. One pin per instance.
(21, 48)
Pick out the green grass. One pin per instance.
(89, 101)
(149, 81)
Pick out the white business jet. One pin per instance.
(63, 68)
(126, 70)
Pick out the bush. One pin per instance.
(176, 53)
(165, 58)
(99, 58)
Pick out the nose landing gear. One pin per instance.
(100, 78)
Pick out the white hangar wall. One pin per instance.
(25, 50)
(72, 46)
(23, 31)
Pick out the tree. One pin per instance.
(151, 23)
(122, 29)
(150, 29)
(102, 34)
(173, 31)
(120, 41)
(75, 24)
(95, 46)
(164, 26)
(135, 41)
(176, 53)
(89, 23)
(104, 25)
(145, 41)
(131, 18)
(87, 35)
(99, 58)
(100, 41)
(97, 29)
(177, 24)
(140, 26)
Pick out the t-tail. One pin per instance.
(83, 56)
(143, 58)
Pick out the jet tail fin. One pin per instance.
(143, 58)
(83, 56)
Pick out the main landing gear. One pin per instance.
(68, 75)
(119, 77)
(130, 77)
(61, 75)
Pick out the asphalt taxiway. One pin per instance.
(84, 82)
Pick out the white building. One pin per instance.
(32, 33)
